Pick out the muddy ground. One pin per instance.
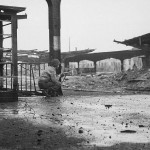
(77, 121)
(92, 116)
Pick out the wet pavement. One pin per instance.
(96, 122)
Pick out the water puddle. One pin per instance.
(93, 118)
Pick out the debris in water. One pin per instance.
(128, 131)
(108, 106)
(81, 130)
(140, 126)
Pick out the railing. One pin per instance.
(28, 74)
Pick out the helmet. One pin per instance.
(55, 63)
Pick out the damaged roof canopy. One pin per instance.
(141, 42)
(7, 11)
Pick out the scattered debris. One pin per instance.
(81, 130)
(108, 106)
(141, 126)
(127, 80)
(128, 131)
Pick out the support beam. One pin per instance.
(122, 64)
(7, 24)
(7, 37)
(14, 51)
(1, 40)
(78, 69)
(22, 16)
(1, 54)
(95, 66)
(54, 29)
(146, 61)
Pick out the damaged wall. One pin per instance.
(129, 63)
(107, 65)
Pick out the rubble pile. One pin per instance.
(141, 81)
(91, 82)
(114, 82)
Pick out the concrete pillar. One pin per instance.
(122, 64)
(95, 66)
(54, 29)
(1, 40)
(1, 54)
(66, 63)
(14, 51)
(146, 61)
(78, 69)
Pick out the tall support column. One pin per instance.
(1, 40)
(1, 53)
(95, 66)
(14, 51)
(146, 61)
(54, 29)
(122, 64)
(66, 63)
(78, 69)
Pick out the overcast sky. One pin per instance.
(88, 23)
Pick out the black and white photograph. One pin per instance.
(74, 75)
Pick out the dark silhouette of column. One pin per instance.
(95, 66)
(1, 54)
(54, 30)
(146, 61)
(122, 64)
(78, 69)
(14, 50)
(66, 63)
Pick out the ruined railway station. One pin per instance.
(105, 96)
